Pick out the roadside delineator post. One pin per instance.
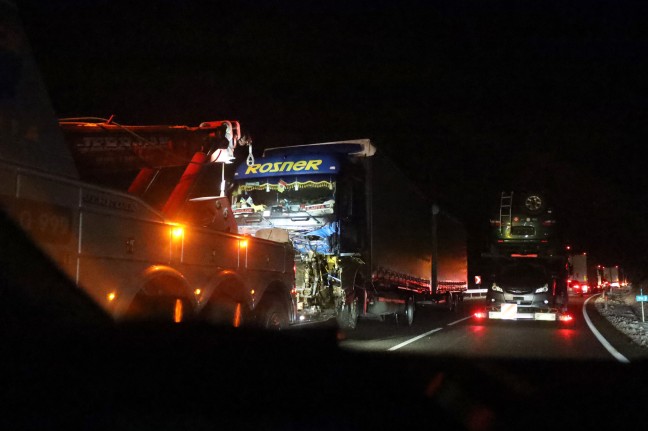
(643, 316)
(642, 298)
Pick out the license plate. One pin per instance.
(545, 316)
(524, 314)
(509, 311)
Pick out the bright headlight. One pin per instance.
(542, 289)
(496, 288)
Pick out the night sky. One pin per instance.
(469, 97)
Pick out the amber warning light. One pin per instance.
(177, 232)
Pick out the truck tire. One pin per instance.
(161, 299)
(224, 310)
(562, 298)
(348, 315)
(273, 316)
(159, 308)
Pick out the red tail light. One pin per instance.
(549, 222)
(566, 318)
(495, 223)
(480, 315)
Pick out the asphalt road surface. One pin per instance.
(440, 332)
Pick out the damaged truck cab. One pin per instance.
(361, 230)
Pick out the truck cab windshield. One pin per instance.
(298, 205)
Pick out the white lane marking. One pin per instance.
(460, 320)
(411, 340)
(614, 352)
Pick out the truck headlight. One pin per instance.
(542, 289)
(496, 288)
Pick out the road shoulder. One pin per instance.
(615, 335)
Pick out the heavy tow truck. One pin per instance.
(170, 231)
(135, 216)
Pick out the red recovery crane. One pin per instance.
(108, 152)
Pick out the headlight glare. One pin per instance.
(542, 289)
(496, 288)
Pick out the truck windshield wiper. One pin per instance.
(312, 216)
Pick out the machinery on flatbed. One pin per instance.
(368, 243)
(523, 223)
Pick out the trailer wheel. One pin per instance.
(451, 303)
(458, 301)
(408, 314)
